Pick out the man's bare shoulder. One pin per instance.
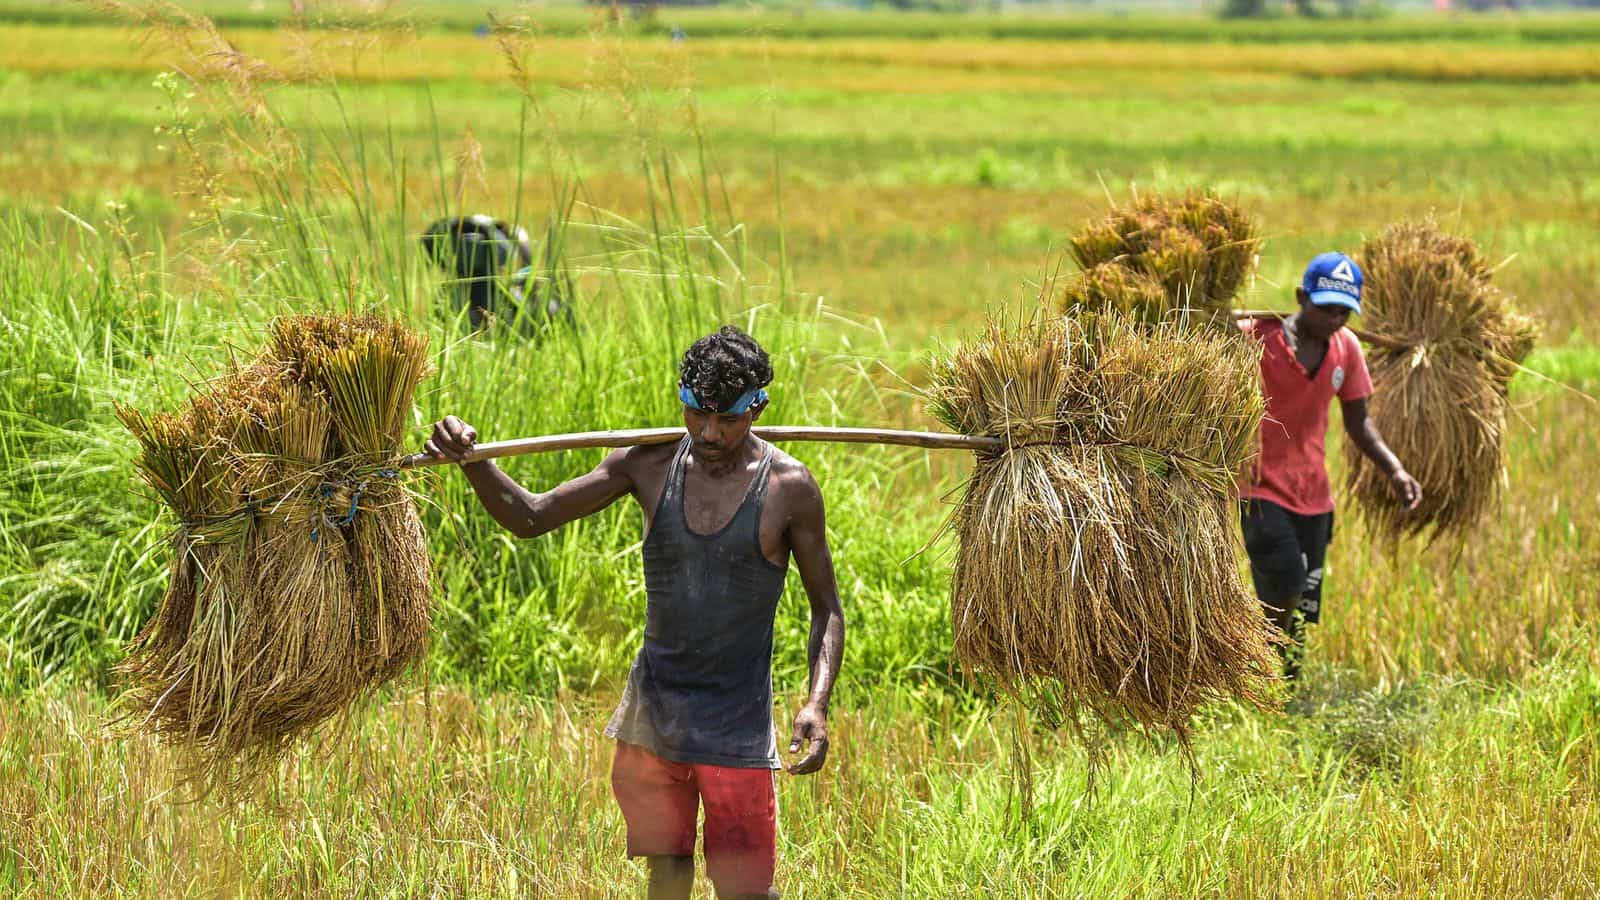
(642, 459)
(793, 481)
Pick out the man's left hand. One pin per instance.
(810, 727)
(1406, 488)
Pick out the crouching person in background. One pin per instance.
(491, 264)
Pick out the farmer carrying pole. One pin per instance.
(723, 513)
(1308, 358)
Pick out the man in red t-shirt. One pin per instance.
(1308, 359)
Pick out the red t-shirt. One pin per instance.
(1293, 470)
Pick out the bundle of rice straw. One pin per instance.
(1098, 568)
(1163, 258)
(300, 575)
(1439, 394)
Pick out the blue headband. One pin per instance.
(740, 407)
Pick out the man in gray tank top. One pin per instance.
(724, 511)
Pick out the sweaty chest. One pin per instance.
(723, 512)
(711, 507)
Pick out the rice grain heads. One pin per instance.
(300, 579)
(1164, 258)
(1440, 394)
(1098, 569)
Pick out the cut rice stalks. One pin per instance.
(1452, 342)
(300, 580)
(1098, 572)
(1164, 259)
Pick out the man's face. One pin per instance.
(1320, 322)
(716, 437)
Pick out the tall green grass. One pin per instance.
(84, 327)
(918, 187)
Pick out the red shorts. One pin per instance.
(660, 801)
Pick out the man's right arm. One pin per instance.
(521, 511)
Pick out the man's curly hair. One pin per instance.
(719, 368)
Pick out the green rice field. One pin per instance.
(859, 190)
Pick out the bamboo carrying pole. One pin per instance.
(933, 440)
(1376, 340)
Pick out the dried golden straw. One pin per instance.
(300, 579)
(1164, 258)
(1439, 395)
(1098, 569)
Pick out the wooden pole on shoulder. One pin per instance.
(932, 440)
(636, 437)
(1376, 340)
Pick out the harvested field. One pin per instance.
(856, 191)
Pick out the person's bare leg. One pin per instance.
(671, 877)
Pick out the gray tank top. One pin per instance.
(700, 690)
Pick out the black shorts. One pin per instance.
(1287, 552)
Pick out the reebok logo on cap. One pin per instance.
(1333, 279)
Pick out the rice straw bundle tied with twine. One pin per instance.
(300, 574)
(1098, 564)
(1450, 342)
(1163, 258)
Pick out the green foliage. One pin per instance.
(1550, 368)
(1376, 730)
(1481, 788)
(1244, 9)
(84, 565)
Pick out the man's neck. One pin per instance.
(734, 462)
(1297, 338)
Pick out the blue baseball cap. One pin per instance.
(1333, 279)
